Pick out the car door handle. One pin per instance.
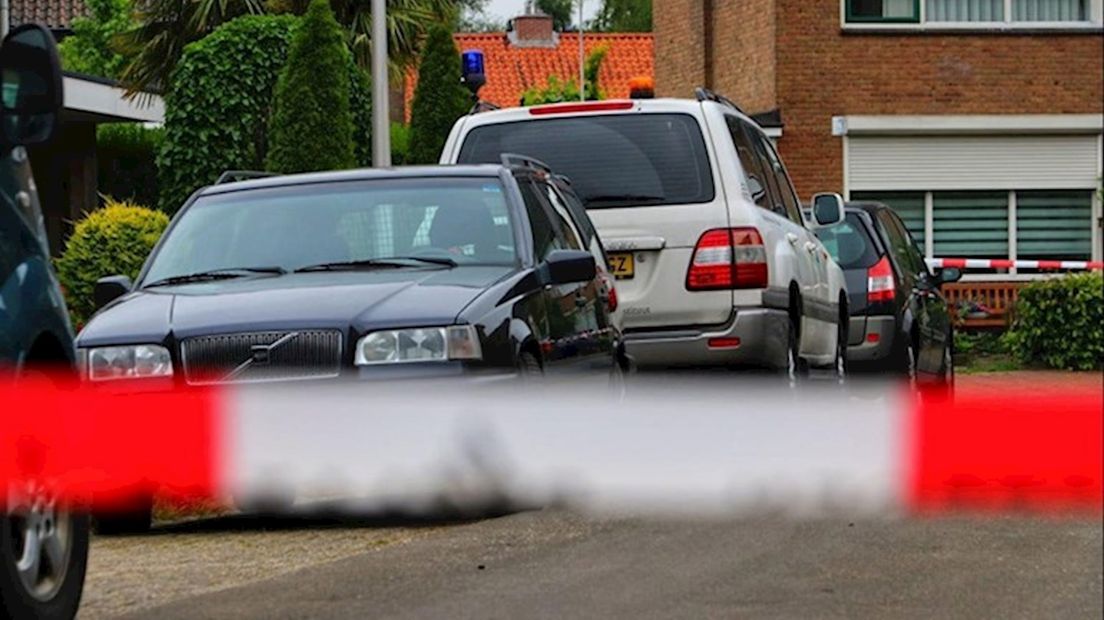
(810, 247)
(792, 238)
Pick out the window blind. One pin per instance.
(1054, 225)
(970, 224)
(965, 10)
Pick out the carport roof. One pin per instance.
(92, 99)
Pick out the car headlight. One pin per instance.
(127, 362)
(422, 344)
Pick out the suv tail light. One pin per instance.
(728, 258)
(879, 282)
(609, 291)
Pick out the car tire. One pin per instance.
(840, 365)
(793, 369)
(529, 367)
(134, 520)
(946, 386)
(60, 598)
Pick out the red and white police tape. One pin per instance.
(999, 263)
(669, 446)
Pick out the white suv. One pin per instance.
(714, 260)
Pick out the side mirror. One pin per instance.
(827, 209)
(30, 75)
(109, 289)
(947, 275)
(567, 266)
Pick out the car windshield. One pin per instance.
(617, 160)
(463, 220)
(849, 243)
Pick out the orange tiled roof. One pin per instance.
(512, 70)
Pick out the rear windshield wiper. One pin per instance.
(373, 263)
(626, 198)
(228, 273)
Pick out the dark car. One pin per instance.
(431, 271)
(899, 318)
(43, 547)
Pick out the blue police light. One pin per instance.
(471, 62)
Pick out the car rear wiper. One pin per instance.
(373, 263)
(227, 273)
(627, 198)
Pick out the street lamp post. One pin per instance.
(381, 127)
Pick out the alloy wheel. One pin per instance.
(41, 536)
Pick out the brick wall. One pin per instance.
(744, 52)
(823, 72)
(679, 49)
(820, 72)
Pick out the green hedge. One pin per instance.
(439, 98)
(312, 126)
(1060, 323)
(219, 104)
(126, 155)
(113, 240)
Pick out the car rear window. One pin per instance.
(612, 160)
(849, 243)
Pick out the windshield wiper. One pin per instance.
(373, 263)
(227, 273)
(628, 198)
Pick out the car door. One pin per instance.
(935, 320)
(589, 339)
(769, 197)
(562, 306)
(910, 285)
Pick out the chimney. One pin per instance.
(532, 30)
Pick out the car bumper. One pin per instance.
(762, 334)
(877, 338)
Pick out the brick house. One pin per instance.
(531, 51)
(980, 121)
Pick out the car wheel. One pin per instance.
(794, 369)
(44, 552)
(528, 367)
(947, 376)
(841, 355)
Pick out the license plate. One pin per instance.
(621, 264)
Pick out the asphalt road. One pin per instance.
(552, 564)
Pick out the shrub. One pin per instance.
(1060, 323)
(126, 156)
(218, 106)
(113, 240)
(439, 99)
(312, 126)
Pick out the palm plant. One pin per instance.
(166, 26)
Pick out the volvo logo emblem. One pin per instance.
(260, 355)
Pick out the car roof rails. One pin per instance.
(524, 161)
(233, 176)
(704, 94)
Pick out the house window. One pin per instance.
(937, 12)
(1018, 225)
(964, 11)
(1050, 10)
(885, 11)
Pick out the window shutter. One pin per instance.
(1054, 225)
(971, 224)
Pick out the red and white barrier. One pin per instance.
(996, 263)
(668, 447)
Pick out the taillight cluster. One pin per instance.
(880, 285)
(728, 258)
(610, 289)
